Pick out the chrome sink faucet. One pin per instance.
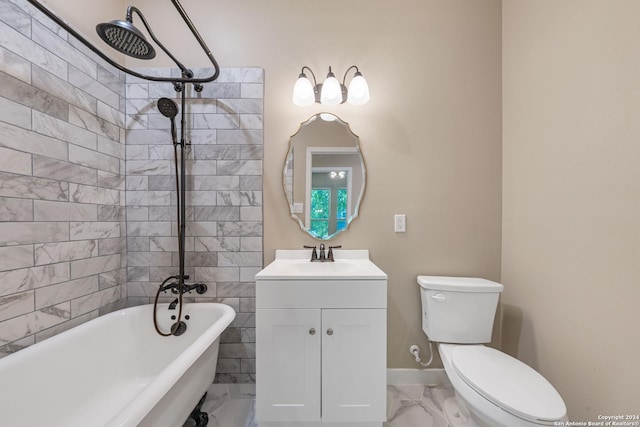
(323, 257)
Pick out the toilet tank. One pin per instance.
(458, 309)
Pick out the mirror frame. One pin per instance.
(332, 150)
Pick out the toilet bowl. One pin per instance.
(492, 389)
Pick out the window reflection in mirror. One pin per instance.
(329, 201)
(324, 176)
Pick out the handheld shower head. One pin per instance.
(169, 109)
(126, 38)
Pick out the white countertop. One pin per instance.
(296, 265)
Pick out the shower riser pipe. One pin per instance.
(182, 216)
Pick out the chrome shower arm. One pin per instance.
(185, 79)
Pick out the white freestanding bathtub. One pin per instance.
(115, 371)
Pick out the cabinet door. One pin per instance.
(288, 365)
(354, 365)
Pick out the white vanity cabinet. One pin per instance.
(321, 342)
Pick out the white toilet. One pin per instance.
(492, 388)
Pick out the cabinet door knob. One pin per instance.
(329, 331)
(312, 331)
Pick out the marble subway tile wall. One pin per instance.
(223, 199)
(62, 165)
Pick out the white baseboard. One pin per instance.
(397, 376)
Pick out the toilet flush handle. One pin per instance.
(439, 297)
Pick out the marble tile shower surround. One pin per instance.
(87, 222)
(223, 199)
(62, 166)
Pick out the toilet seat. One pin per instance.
(508, 383)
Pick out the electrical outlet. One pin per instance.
(400, 223)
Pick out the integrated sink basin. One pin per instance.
(296, 265)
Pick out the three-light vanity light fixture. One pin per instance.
(331, 91)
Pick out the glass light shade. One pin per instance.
(358, 91)
(331, 93)
(328, 117)
(303, 92)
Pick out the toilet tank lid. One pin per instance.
(459, 284)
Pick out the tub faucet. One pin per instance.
(173, 287)
(177, 287)
(200, 288)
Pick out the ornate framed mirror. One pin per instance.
(324, 176)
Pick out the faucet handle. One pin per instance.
(314, 254)
(330, 254)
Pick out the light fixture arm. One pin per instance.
(343, 86)
(316, 86)
(315, 82)
(187, 77)
(344, 79)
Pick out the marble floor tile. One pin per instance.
(234, 413)
(416, 405)
(411, 413)
(408, 405)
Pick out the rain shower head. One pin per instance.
(126, 38)
(123, 36)
(168, 107)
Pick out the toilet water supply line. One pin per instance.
(415, 352)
